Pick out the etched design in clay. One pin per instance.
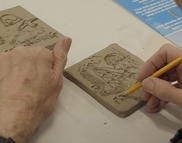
(9, 19)
(106, 75)
(112, 78)
(19, 27)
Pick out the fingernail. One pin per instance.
(65, 40)
(148, 84)
(62, 40)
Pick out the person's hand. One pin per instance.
(30, 81)
(179, 3)
(159, 91)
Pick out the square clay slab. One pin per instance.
(106, 75)
(20, 28)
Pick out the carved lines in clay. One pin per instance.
(109, 75)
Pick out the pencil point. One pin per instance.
(125, 93)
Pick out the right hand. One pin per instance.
(158, 91)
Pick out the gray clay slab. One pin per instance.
(105, 75)
(19, 27)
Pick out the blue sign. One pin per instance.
(162, 15)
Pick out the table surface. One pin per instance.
(93, 25)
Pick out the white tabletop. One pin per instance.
(93, 25)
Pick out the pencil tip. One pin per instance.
(125, 93)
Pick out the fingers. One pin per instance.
(146, 95)
(60, 52)
(162, 57)
(154, 104)
(162, 90)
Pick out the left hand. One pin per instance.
(30, 82)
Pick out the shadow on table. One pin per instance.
(168, 119)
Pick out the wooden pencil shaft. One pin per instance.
(167, 67)
(156, 74)
(134, 88)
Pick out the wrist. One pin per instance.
(18, 133)
(17, 126)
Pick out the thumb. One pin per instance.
(60, 52)
(163, 90)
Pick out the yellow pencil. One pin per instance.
(156, 74)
